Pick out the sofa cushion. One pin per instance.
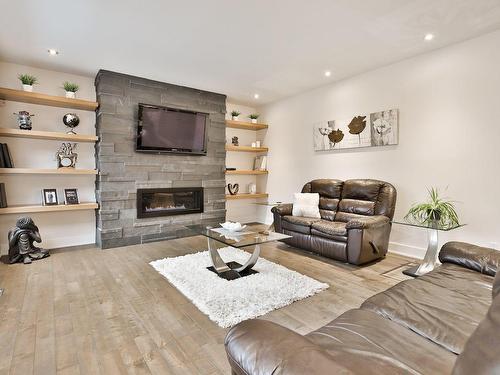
(356, 206)
(365, 190)
(347, 216)
(481, 354)
(298, 223)
(332, 237)
(333, 228)
(374, 341)
(328, 188)
(438, 305)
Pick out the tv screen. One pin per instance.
(163, 129)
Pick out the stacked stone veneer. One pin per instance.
(122, 170)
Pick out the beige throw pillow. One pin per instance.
(306, 205)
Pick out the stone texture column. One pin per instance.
(122, 170)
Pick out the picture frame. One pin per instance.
(71, 196)
(49, 197)
(260, 163)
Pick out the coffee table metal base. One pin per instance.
(231, 268)
(232, 274)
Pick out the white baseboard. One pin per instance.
(407, 250)
(55, 243)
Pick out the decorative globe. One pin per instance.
(71, 120)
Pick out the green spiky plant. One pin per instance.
(27, 79)
(235, 113)
(253, 116)
(436, 210)
(70, 86)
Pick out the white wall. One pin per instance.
(449, 105)
(243, 210)
(58, 229)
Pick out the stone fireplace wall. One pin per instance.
(123, 171)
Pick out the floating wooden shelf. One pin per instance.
(39, 208)
(61, 171)
(245, 125)
(246, 196)
(246, 148)
(242, 172)
(44, 99)
(35, 134)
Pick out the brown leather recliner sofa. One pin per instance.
(355, 220)
(447, 321)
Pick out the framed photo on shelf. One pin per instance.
(49, 197)
(71, 196)
(260, 163)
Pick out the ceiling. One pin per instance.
(276, 48)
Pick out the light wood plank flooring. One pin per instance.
(89, 311)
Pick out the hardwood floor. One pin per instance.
(91, 311)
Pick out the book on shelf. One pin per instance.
(3, 196)
(6, 157)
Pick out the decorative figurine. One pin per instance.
(234, 141)
(66, 156)
(71, 120)
(21, 240)
(24, 120)
(233, 188)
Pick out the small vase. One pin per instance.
(28, 88)
(70, 94)
(235, 118)
(254, 121)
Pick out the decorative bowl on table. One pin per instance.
(232, 227)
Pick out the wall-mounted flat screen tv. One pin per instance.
(171, 130)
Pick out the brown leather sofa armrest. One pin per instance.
(368, 222)
(477, 258)
(283, 209)
(262, 347)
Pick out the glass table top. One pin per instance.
(270, 204)
(251, 235)
(427, 224)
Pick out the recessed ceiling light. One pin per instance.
(256, 96)
(428, 37)
(53, 52)
(328, 73)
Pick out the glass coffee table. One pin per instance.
(248, 237)
(431, 255)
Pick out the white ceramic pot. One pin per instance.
(235, 118)
(252, 188)
(70, 94)
(254, 121)
(28, 88)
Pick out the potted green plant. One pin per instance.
(71, 89)
(253, 117)
(436, 211)
(28, 81)
(234, 115)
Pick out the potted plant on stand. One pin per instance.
(234, 115)
(71, 89)
(437, 212)
(28, 81)
(253, 117)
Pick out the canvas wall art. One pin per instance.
(374, 129)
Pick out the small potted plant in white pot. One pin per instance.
(253, 117)
(71, 89)
(234, 115)
(28, 81)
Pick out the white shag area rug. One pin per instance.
(230, 302)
